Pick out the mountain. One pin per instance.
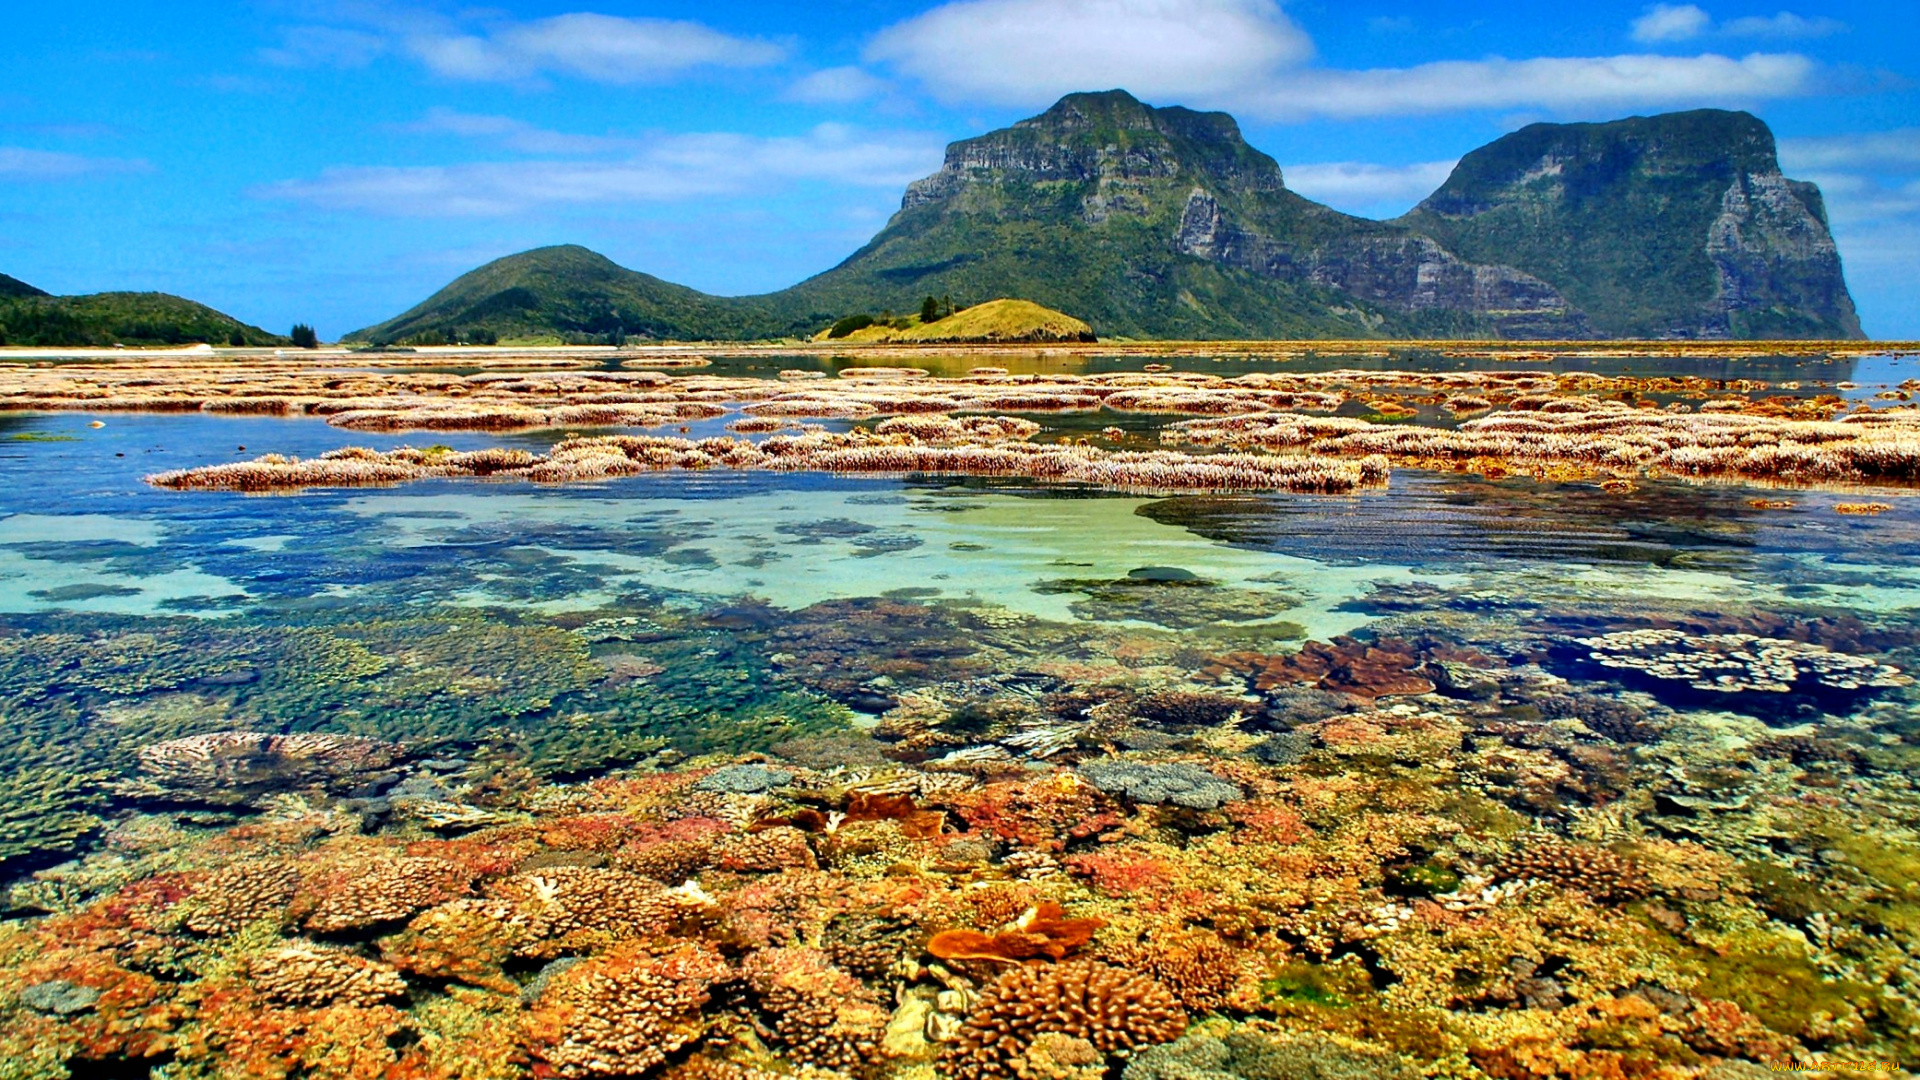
(1667, 226)
(116, 318)
(11, 287)
(1164, 223)
(569, 291)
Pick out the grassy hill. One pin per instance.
(996, 322)
(573, 295)
(31, 317)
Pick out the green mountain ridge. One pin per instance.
(11, 287)
(1164, 223)
(33, 317)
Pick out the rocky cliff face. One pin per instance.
(1402, 271)
(1106, 171)
(1674, 226)
(1164, 223)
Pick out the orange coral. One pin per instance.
(1044, 930)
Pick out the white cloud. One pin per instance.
(329, 46)
(672, 168)
(479, 48)
(1246, 56)
(1558, 84)
(1896, 150)
(19, 163)
(1785, 24)
(1871, 183)
(512, 134)
(1685, 22)
(605, 48)
(1026, 52)
(1358, 187)
(1671, 22)
(836, 86)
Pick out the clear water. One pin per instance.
(542, 654)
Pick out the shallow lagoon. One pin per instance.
(542, 653)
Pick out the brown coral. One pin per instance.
(1113, 1009)
(623, 1014)
(234, 766)
(302, 974)
(1593, 871)
(823, 1016)
(468, 940)
(242, 893)
(1055, 1055)
(1199, 969)
(386, 892)
(1384, 669)
(776, 848)
(568, 908)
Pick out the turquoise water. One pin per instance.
(1457, 769)
(471, 617)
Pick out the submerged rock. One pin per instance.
(1283, 749)
(1251, 1053)
(1177, 783)
(744, 780)
(59, 997)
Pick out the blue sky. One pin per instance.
(336, 161)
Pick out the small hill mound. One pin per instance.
(996, 322)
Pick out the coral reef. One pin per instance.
(1344, 665)
(1112, 1010)
(1605, 437)
(1739, 663)
(602, 457)
(311, 976)
(623, 1014)
(452, 791)
(235, 766)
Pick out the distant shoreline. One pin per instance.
(665, 351)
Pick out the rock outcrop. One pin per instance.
(1672, 226)
(1164, 223)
